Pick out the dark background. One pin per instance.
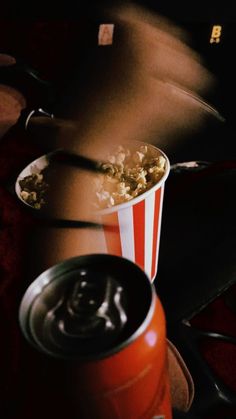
(54, 39)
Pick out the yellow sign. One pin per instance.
(216, 34)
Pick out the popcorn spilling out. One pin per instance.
(129, 173)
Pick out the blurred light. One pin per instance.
(105, 34)
(216, 34)
(151, 338)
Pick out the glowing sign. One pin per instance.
(216, 34)
(105, 34)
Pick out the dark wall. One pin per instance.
(55, 41)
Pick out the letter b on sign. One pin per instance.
(216, 34)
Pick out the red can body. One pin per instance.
(132, 383)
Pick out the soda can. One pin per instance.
(99, 315)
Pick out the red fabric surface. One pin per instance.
(219, 317)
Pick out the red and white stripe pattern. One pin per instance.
(135, 231)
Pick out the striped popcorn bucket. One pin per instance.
(132, 229)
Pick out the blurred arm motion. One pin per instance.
(147, 86)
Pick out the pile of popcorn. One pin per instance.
(33, 189)
(128, 173)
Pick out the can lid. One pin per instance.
(84, 306)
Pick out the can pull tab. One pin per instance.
(92, 308)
